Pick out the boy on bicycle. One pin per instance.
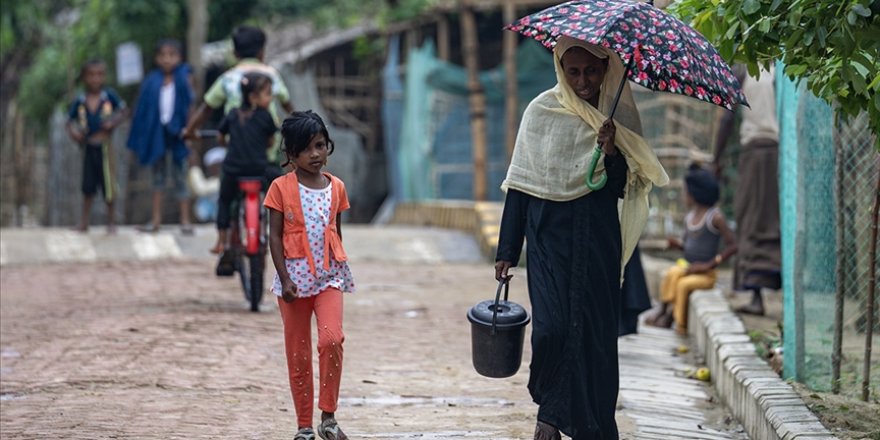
(249, 44)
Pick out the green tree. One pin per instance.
(23, 27)
(68, 32)
(834, 45)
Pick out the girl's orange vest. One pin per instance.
(295, 238)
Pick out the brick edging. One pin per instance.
(767, 406)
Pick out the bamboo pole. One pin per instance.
(511, 102)
(18, 154)
(837, 342)
(443, 38)
(872, 291)
(196, 35)
(477, 100)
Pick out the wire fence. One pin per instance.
(857, 172)
(828, 182)
(829, 190)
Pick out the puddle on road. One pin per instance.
(422, 401)
(7, 352)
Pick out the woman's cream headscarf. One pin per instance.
(558, 133)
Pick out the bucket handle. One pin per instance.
(505, 283)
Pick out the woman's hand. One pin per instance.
(501, 268)
(606, 137)
(288, 290)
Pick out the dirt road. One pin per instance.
(164, 350)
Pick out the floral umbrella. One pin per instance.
(660, 52)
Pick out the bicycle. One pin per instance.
(248, 239)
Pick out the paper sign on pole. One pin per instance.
(129, 64)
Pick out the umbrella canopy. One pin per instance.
(661, 52)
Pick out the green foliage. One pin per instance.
(45, 85)
(59, 35)
(346, 13)
(21, 23)
(225, 15)
(78, 30)
(834, 45)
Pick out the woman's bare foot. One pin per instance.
(545, 431)
(751, 309)
(756, 306)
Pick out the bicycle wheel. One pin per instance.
(257, 265)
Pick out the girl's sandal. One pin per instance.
(329, 430)
(305, 434)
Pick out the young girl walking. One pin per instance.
(250, 129)
(305, 240)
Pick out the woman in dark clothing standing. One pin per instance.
(579, 239)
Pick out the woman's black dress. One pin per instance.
(634, 296)
(573, 257)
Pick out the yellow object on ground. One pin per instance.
(703, 374)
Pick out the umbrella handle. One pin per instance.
(595, 186)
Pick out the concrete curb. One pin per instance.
(479, 218)
(766, 405)
(58, 245)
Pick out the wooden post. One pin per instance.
(196, 34)
(511, 103)
(22, 166)
(837, 338)
(410, 39)
(870, 310)
(443, 38)
(477, 100)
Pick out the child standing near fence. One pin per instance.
(155, 137)
(305, 240)
(92, 117)
(250, 129)
(705, 226)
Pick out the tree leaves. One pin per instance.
(861, 10)
(750, 7)
(834, 45)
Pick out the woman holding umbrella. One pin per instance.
(578, 242)
(579, 235)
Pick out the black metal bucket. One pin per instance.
(497, 332)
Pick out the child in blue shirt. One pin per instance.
(92, 117)
(160, 116)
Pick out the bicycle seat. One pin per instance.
(250, 184)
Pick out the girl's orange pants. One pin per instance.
(297, 319)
